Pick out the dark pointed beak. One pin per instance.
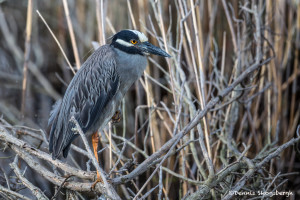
(148, 48)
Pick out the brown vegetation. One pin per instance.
(217, 120)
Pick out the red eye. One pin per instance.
(133, 41)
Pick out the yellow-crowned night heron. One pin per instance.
(96, 91)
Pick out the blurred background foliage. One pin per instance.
(272, 114)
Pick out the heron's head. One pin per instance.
(135, 42)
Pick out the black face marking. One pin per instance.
(126, 36)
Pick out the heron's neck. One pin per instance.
(130, 67)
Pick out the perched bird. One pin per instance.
(96, 91)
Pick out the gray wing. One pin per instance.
(89, 92)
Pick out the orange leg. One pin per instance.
(95, 141)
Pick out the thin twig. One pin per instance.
(72, 35)
(56, 40)
(35, 190)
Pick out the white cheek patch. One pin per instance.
(124, 43)
(142, 36)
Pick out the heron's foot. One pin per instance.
(98, 180)
(116, 118)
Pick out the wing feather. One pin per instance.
(89, 92)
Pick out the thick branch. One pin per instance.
(5, 136)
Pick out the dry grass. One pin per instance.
(219, 117)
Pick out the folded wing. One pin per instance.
(89, 92)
